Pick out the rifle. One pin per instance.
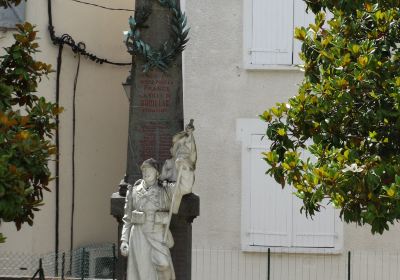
(172, 204)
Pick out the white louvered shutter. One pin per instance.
(270, 214)
(272, 32)
(318, 232)
(271, 207)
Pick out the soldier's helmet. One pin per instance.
(151, 162)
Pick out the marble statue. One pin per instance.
(149, 206)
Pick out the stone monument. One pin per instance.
(157, 37)
(149, 205)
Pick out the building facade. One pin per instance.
(240, 60)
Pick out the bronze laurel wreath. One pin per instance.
(167, 53)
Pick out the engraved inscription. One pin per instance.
(155, 141)
(156, 93)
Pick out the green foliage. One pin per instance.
(348, 106)
(26, 124)
(349, 6)
(168, 52)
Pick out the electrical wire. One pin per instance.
(57, 194)
(103, 7)
(73, 158)
(79, 47)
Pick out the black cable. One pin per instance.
(73, 157)
(59, 62)
(79, 47)
(50, 14)
(103, 7)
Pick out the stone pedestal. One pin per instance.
(181, 228)
(117, 210)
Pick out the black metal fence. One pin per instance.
(294, 264)
(100, 262)
(94, 261)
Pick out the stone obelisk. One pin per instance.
(156, 114)
(156, 107)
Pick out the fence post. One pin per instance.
(41, 271)
(56, 263)
(63, 266)
(269, 264)
(114, 262)
(83, 264)
(349, 266)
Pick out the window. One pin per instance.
(270, 215)
(268, 32)
(11, 16)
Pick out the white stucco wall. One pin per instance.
(101, 126)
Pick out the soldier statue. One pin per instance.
(149, 205)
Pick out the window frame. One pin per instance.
(245, 128)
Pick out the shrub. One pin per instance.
(27, 123)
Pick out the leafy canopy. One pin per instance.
(26, 124)
(346, 113)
